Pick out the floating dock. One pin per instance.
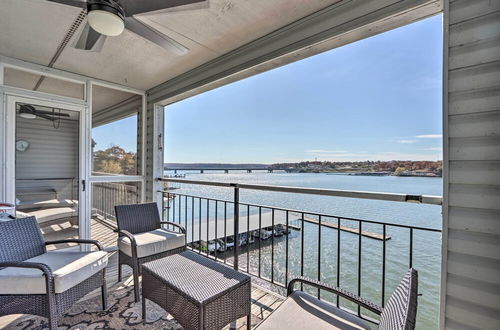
(202, 231)
(364, 233)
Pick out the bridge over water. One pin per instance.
(223, 169)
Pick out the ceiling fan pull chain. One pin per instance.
(58, 119)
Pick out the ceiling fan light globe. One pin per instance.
(27, 115)
(106, 22)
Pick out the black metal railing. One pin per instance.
(337, 244)
(105, 195)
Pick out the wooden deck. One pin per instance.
(63, 230)
(263, 301)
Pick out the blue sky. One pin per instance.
(376, 99)
(117, 133)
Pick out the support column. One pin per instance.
(3, 160)
(153, 151)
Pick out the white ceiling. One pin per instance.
(103, 97)
(31, 30)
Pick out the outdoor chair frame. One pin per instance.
(135, 219)
(398, 314)
(21, 239)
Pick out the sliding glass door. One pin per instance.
(47, 143)
(73, 149)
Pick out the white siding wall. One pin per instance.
(53, 153)
(471, 276)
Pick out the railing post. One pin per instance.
(236, 225)
(163, 205)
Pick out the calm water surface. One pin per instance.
(426, 249)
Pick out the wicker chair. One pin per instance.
(303, 311)
(34, 281)
(141, 238)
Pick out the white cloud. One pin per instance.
(429, 136)
(433, 149)
(407, 141)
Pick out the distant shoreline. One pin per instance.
(427, 175)
(428, 169)
(424, 175)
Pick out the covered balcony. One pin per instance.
(64, 86)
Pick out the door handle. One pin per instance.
(83, 185)
(160, 142)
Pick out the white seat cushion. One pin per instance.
(152, 242)
(46, 215)
(68, 268)
(303, 311)
(46, 203)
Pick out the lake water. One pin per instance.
(426, 245)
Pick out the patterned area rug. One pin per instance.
(122, 313)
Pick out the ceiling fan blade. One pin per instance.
(89, 39)
(50, 113)
(74, 3)
(134, 7)
(154, 36)
(45, 117)
(26, 108)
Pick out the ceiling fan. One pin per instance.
(111, 17)
(29, 112)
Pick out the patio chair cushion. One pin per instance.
(303, 311)
(68, 267)
(46, 215)
(45, 203)
(152, 242)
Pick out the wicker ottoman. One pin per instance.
(199, 293)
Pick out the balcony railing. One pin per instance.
(275, 244)
(105, 195)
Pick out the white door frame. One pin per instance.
(10, 137)
(120, 178)
(7, 127)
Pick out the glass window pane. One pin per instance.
(115, 132)
(47, 167)
(114, 148)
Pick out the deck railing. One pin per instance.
(318, 245)
(105, 195)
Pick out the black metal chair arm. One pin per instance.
(49, 277)
(77, 240)
(341, 292)
(182, 229)
(129, 236)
